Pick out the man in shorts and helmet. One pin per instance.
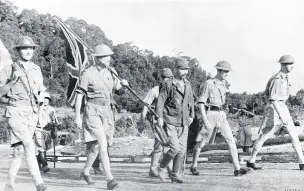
(276, 113)
(22, 84)
(211, 101)
(97, 85)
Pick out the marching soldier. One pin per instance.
(98, 85)
(23, 83)
(44, 131)
(211, 101)
(151, 99)
(276, 112)
(175, 109)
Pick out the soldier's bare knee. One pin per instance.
(18, 151)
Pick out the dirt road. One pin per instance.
(215, 177)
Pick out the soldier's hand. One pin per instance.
(141, 126)
(40, 98)
(207, 125)
(191, 120)
(285, 124)
(124, 83)
(16, 76)
(160, 122)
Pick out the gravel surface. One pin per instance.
(214, 177)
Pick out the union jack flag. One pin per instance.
(76, 59)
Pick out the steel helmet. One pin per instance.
(286, 59)
(102, 50)
(25, 41)
(181, 64)
(223, 65)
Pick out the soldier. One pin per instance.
(175, 109)
(151, 99)
(98, 85)
(244, 134)
(276, 112)
(211, 102)
(23, 84)
(45, 130)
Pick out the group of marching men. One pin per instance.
(171, 106)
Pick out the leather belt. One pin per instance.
(215, 108)
(98, 101)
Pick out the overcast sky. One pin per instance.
(250, 34)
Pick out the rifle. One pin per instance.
(160, 131)
(244, 110)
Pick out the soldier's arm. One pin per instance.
(81, 92)
(202, 100)
(6, 81)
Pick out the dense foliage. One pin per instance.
(140, 67)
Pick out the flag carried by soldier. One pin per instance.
(5, 58)
(76, 57)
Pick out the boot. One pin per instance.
(96, 166)
(177, 164)
(87, 178)
(253, 165)
(242, 171)
(112, 184)
(41, 187)
(8, 187)
(43, 159)
(162, 166)
(154, 161)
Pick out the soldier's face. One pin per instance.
(288, 67)
(26, 53)
(105, 60)
(46, 101)
(223, 74)
(181, 73)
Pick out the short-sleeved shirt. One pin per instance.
(46, 116)
(277, 88)
(152, 95)
(213, 92)
(99, 83)
(31, 75)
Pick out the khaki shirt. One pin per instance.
(32, 79)
(99, 83)
(277, 88)
(152, 95)
(213, 92)
(47, 115)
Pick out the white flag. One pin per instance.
(5, 57)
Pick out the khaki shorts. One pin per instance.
(22, 122)
(96, 118)
(272, 119)
(217, 119)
